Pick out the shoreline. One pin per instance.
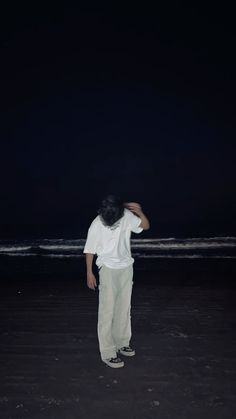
(21, 269)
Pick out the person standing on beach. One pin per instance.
(109, 238)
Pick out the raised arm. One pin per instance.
(137, 209)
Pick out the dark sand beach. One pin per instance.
(184, 318)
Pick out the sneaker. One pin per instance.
(127, 351)
(114, 362)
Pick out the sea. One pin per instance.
(155, 248)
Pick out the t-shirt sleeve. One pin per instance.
(91, 241)
(134, 223)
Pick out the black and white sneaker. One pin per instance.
(114, 362)
(126, 351)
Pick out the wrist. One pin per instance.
(140, 213)
(89, 272)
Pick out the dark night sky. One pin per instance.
(140, 103)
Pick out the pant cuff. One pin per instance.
(108, 354)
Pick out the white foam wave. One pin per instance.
(14, 248)
(188, 239)
(19, 254)
(62, 247)
(182, 245)
(199, 247)
(136, 255)
(64, 256)
(186, 257)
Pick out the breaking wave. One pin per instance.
(189, 248)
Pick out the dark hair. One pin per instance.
(111, 210)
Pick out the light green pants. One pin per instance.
(114, 320)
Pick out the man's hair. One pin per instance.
(111, 210)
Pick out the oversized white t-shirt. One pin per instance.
(112, 244)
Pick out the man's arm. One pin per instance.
(91, 280)
(137, 209)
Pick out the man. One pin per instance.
(109, 239)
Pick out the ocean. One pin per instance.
(161, 248)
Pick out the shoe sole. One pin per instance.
(118, 365)
(127, 353)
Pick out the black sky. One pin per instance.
(140, 103)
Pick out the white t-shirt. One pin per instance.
(112, 244)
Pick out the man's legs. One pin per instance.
(105, 313)
(121, 328)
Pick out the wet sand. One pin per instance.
(183, 331)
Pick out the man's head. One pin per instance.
(111, 210)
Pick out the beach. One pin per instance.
(183, 317)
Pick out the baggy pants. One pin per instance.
(114, 319)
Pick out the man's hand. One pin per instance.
(134, 207)
(91, 281)
(137, 210)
